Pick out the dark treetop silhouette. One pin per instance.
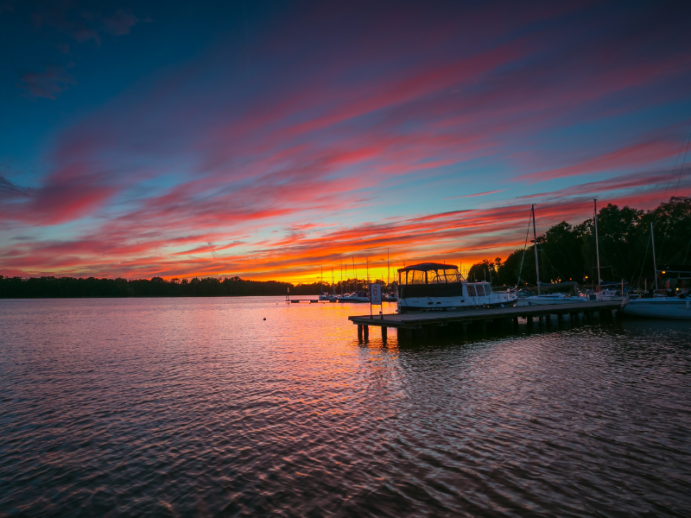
(568, 252)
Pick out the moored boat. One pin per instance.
(357, 296)
(554, 298)
(676, 308)
(664, 303)
(440, 287)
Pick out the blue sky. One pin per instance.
(269, 139)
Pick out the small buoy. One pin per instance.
(264, 318)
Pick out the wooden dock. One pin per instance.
(413, 323)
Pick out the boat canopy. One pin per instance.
(429, 273)
(425, 267)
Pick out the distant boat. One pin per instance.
(332, 296)
(554, 298)
(609, 294)
(323, 295)
(358, 297)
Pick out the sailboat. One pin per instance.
(356, 296)
(674, 308)
(548, 299)
(662, 305)
(323, 295)
(333, 297)
(389, 296)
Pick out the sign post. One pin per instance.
(374, 296)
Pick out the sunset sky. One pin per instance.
(269, 139)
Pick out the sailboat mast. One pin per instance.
(354, 274)
(537, 267)
(333, 281)
(388, 268)
(597, 245)
(652, 236)
(321, 280)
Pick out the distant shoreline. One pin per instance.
(147, 297)
(157, 287)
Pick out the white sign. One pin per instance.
(375, 294)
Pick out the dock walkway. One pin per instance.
(422, 321)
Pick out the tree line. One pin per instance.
(567, 252)
(67, 287)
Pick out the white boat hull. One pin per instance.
(547, 301)
(495, 300)
(663, 307)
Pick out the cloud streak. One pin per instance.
(486, 193)
(456, 236)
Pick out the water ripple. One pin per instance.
(177, 407)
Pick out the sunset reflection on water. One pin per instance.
(200, 406)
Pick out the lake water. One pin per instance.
(200, 407)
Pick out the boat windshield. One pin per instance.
(440, 276)
(416, 277)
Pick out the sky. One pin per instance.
(278, 140)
